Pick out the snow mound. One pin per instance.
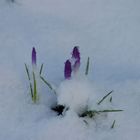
(74, 94)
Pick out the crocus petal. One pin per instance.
(76, 59)
(67, 70)
(76, 53)
(33, 57)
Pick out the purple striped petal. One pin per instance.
(33, 57)
(67, 70)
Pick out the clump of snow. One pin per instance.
(75, 94)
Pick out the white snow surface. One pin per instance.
(74, 93)
(107, 31)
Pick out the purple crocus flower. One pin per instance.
(33, 57)
(76, 58)
(67, 70)
(76, 53)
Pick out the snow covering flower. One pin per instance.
(33, 57)
(74, 94)
(76, 58)
(76, 66)
(67, 70)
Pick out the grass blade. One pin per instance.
(28, 74)
(87, 67)
(47, 83)
(110, 99)
(104, 97)
(113, 124)
(92, 113)
(114, 110)
(41, 68)
(27, 71)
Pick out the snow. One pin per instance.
(74, 94)
(106, 31)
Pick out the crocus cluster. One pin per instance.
(73, 64)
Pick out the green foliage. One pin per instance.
(27, 71)
(41, 68)
(87, 67)
(110, 99)
(35, 89)
(48, 84)
(113, 124)
(30, 83)
(45, 81)
(92, 113)
(104, 97)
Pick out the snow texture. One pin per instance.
(107, 31)
(74, 94)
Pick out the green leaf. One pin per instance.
(28, 74)
(87, 67)
(104, 97)
(41, 68)
(107, 110)
(27, 71)
(110, 99)
(31, 90)
(35, 89)
(47, 83)
(92, 113)
(113, 124)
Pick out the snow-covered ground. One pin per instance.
(106, 30)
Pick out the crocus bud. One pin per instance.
(33, 57)
(76, 53)
(76, 59)
(67, 70)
